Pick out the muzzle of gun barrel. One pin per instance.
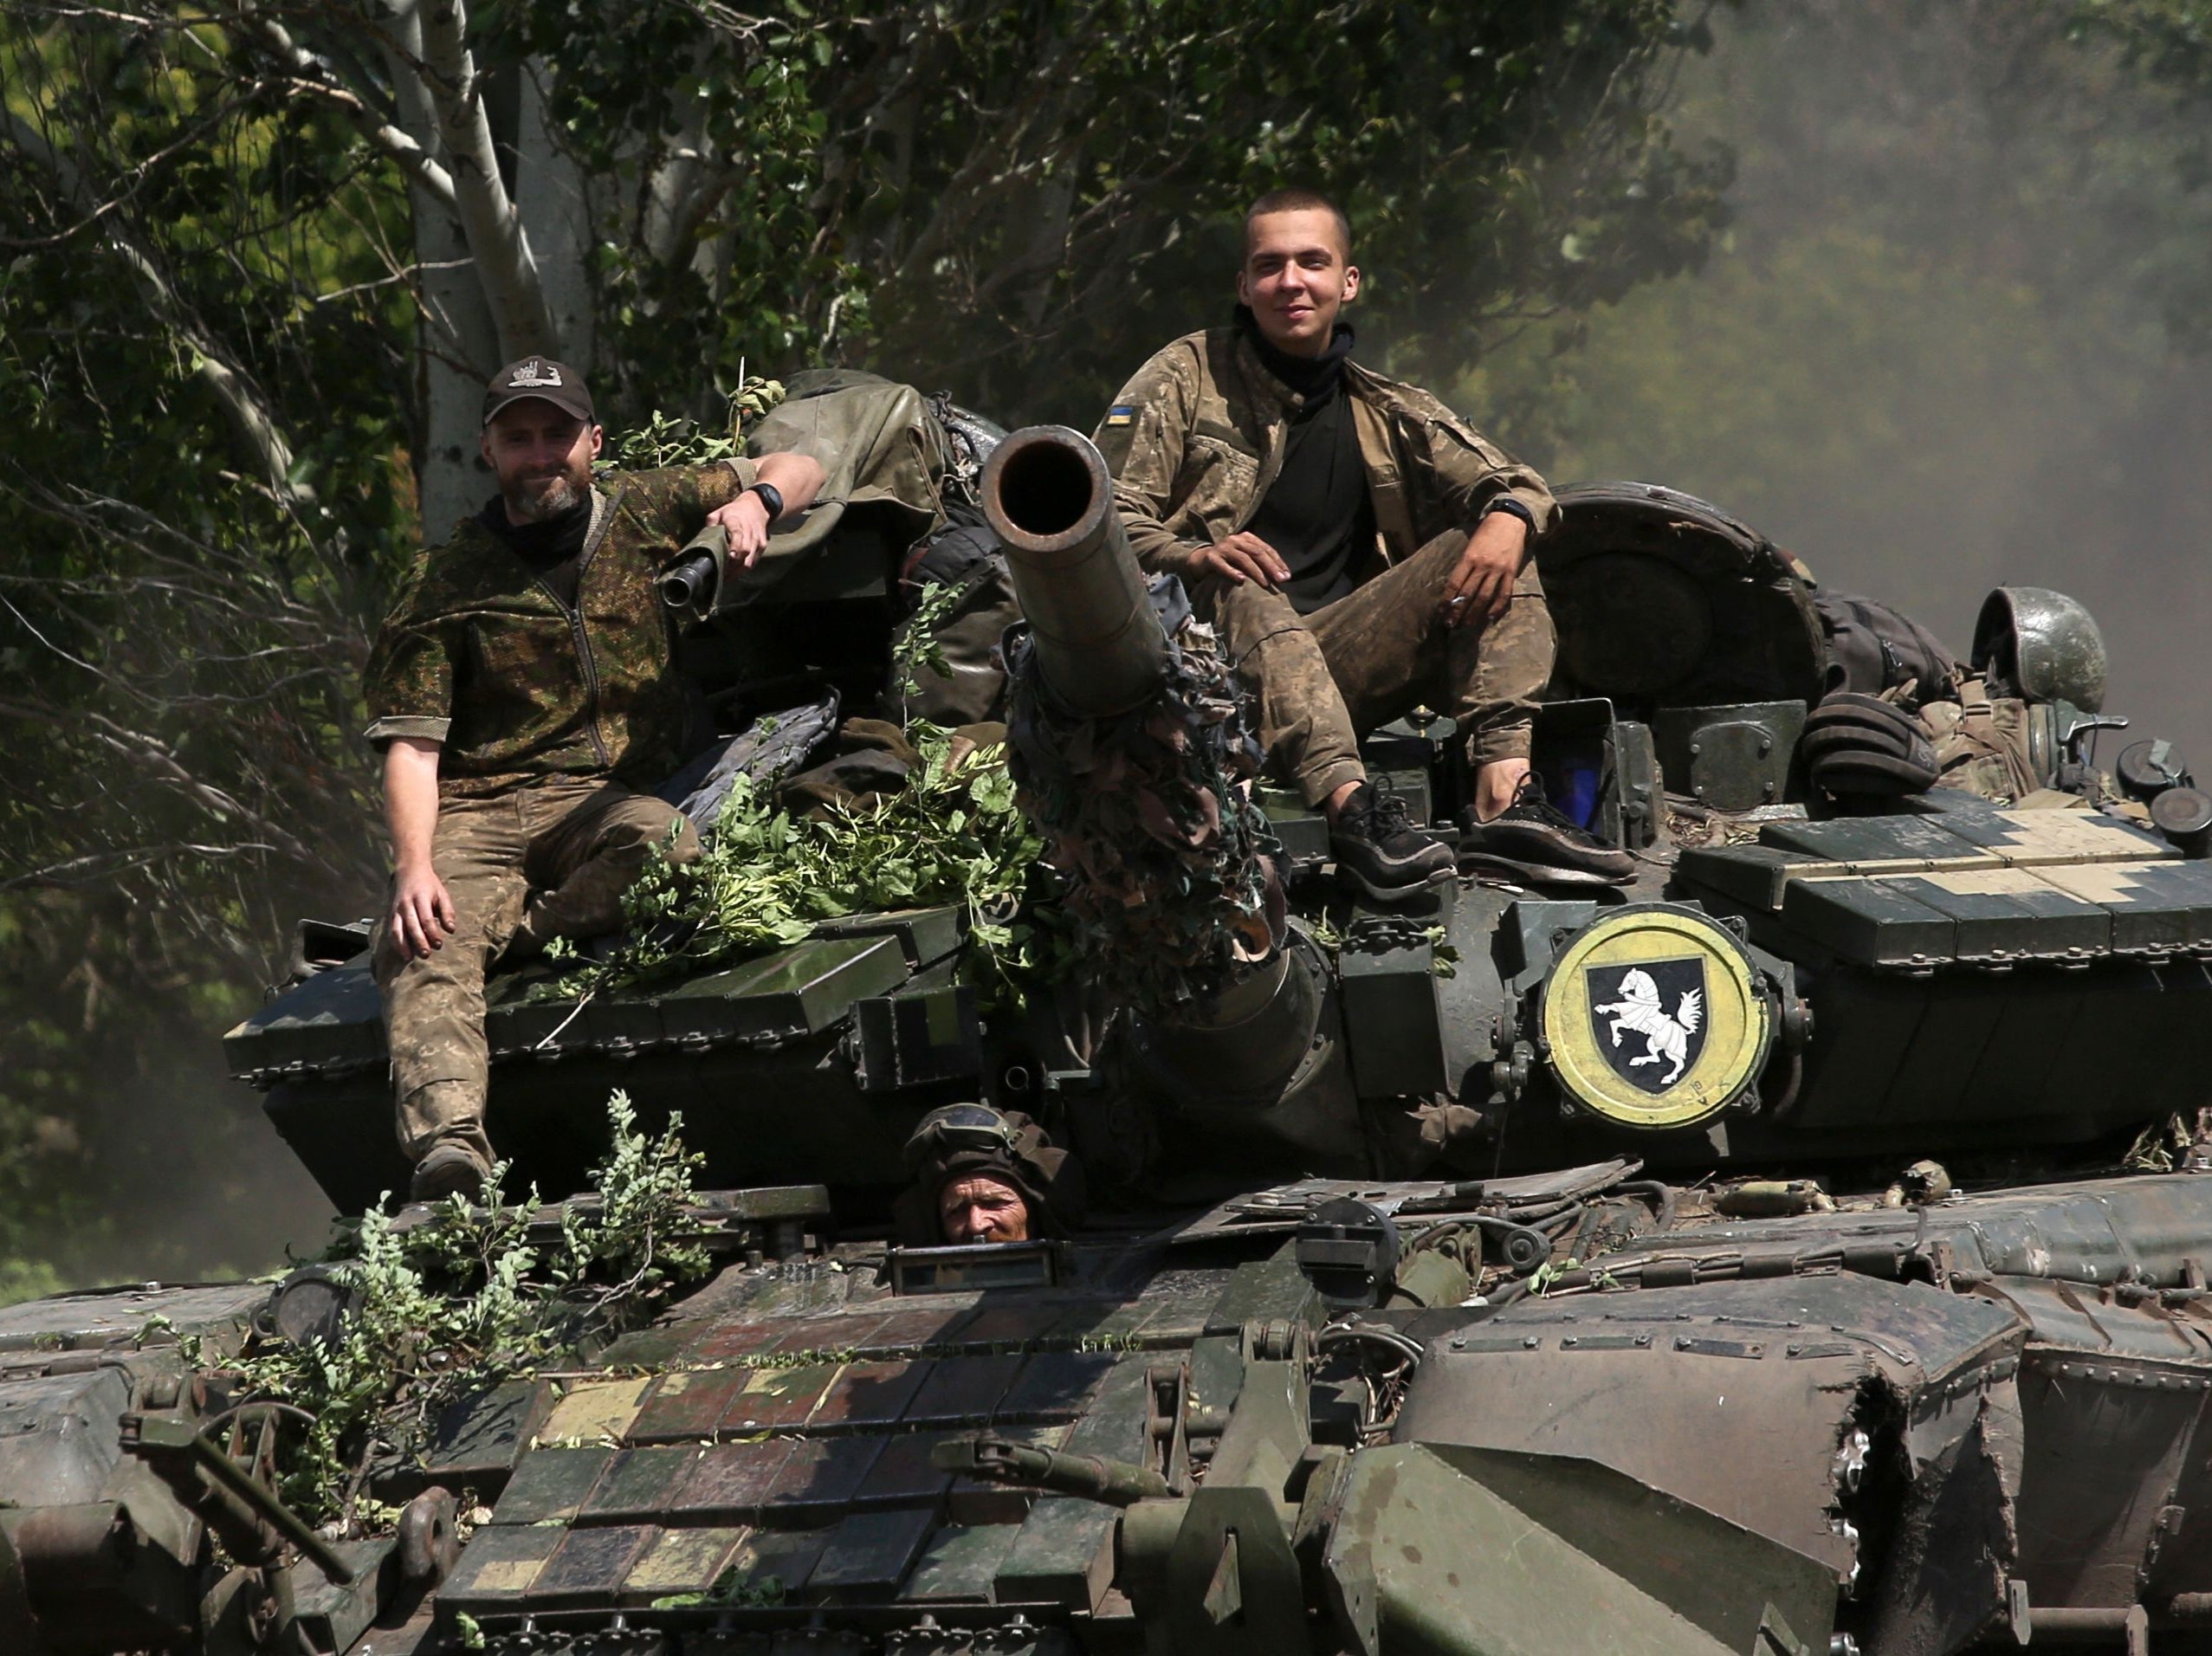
(688, 585)
(1099, 643)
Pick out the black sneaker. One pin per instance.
(1379, 849)
(449, 1170)
(1531, 830)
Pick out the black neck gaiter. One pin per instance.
(1311, 377)
(1317, 514)
(553, 547)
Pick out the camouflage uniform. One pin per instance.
(1982, 742)
(551, 722)
(1195, 441)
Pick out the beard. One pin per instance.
(535, 500)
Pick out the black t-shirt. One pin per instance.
(554, 549)
(1317, 513)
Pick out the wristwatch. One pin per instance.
(1507, 504)
(770, 496)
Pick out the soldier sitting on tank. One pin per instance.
(1362, 549)
(986, 1176)
(523, 693)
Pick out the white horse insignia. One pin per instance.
(1666, 1039)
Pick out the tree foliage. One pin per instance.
(257, 258)
(1953, 336)
(1019, 203)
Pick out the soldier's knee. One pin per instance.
(1247, 613)
(643, 827)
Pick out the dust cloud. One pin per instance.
(206, 1190)
(1944, 344)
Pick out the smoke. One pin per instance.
(127, 1153)
(1942, 346)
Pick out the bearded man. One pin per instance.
(1360, 548)
(524, 695)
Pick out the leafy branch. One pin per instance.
(446, 1310)
(662, 439)
(915, 647)
(767, 878)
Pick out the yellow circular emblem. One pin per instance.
(1655, 1017)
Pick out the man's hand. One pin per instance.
(745, 521)
(1482, 586)
(421, 912)
(1243, 556)
(797, 477)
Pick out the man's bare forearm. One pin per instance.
(410, 799)
(797, 477)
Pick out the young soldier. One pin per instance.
(523, 693)
(1362, 549)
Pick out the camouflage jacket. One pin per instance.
(480, 655)
(1195, 438)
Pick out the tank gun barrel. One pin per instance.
(1049, 499)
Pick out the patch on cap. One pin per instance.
(542, 378)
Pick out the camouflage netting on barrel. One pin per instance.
(1169, 866)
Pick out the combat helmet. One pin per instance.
(2040, 645)
(975, 1138)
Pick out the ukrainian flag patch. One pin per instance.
(1121, 414)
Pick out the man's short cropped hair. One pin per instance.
(1296, 198)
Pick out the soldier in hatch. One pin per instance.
(1362, 549)
(524, 696)
(986, 1176)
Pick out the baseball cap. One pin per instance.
(542, 378)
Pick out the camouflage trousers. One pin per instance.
(548, 859)
(1323, 680)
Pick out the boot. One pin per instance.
(451, 1168)
(1531, 830)
(1379, 850)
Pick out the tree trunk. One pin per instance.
(556, 212)
(457, 345)
(506, 267)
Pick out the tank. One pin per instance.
(1785, 1253)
